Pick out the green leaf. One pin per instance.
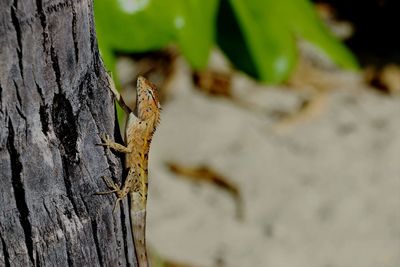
(305, 23)
(195, 26)
(267, 38)
(144, 25)
(134, 26)
(271, 44)
(231, 40)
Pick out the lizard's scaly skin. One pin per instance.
(138, 134)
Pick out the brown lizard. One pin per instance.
(138, 134)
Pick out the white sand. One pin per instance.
(324, 194)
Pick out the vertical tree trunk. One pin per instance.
(54, 104)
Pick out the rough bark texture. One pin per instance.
(54, 103)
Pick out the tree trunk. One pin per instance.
(54, 104)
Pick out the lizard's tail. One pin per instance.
(138, 223)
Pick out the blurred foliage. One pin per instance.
(259, 37)
(144, 25)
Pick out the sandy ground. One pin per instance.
(318, 191)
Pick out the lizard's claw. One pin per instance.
(105, 137)
(106, 140)
(111, 185)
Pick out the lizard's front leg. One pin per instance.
(117, 95)
(111, 144)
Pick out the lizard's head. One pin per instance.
(147, 102)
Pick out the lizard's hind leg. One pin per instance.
(115, 188)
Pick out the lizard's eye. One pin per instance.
(151, 93)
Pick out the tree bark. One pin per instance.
(54, 104)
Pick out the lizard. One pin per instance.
(139, 131)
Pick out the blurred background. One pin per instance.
(279, 141)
